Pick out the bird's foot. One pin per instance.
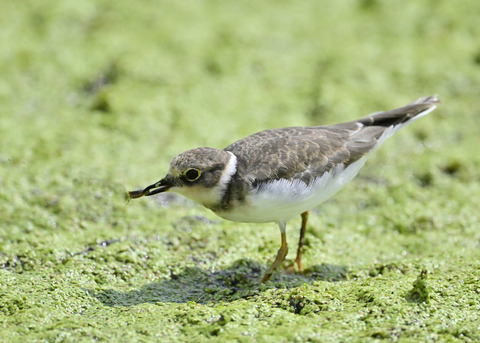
(295, 267)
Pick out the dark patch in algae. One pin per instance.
(239, 281)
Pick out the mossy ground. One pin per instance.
(96, 97)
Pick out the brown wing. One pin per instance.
(300, 153)
(308, 152)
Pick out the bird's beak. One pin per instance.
(159, 187)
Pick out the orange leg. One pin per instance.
(282, 252)
(298, 259)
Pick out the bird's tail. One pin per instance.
(402, 115)
(371, 131)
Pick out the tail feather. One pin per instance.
(371, 131)
(414, 110)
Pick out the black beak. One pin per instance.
(159, 187)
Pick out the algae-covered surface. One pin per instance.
(96, 98)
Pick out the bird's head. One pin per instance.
(201, 174)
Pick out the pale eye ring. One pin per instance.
(192, 174)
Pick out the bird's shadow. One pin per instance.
(241, 280)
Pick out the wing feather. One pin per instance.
(306, 153)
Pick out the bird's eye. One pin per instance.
(192, 174)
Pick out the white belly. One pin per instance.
(282, 200)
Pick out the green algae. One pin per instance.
(97, 97)
(420, 291)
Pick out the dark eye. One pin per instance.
(192, 174)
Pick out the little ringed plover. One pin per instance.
(276, 175)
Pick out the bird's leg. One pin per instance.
(282, 252)
(298, 259)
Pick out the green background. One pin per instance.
(96, 98)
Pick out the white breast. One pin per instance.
(283, 199)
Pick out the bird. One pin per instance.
(277, 174)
